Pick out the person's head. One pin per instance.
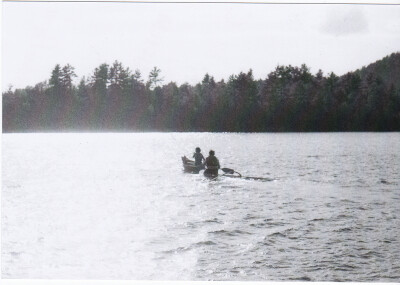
(212, 152)
(198, 149)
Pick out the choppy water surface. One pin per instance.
(118, 206)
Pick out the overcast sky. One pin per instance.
(186, 41)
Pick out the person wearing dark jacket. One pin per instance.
(198, 157)
(212, 164)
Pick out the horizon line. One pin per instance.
(378, 3)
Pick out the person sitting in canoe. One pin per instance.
(212, 164)
(198, 157)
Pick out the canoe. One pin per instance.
(224, 174)
(189, 167)
(209, 174)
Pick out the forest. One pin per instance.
(289, 99)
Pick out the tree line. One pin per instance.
(114, 98)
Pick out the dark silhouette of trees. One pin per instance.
(289, 99)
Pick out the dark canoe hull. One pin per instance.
(210, 174)
(189, 167)
(214, 174)
(192, 169)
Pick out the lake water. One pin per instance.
(119, 206)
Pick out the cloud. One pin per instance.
(345, 22)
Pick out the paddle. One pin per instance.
(230, 171)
